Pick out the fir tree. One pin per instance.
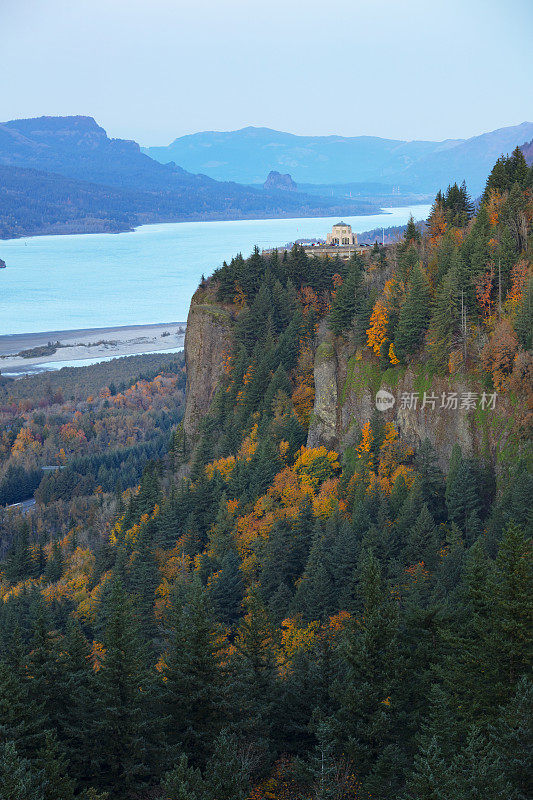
(367, 693)
(123, 725)
(192, 693)
(226, 777)
(414, 316)
(16, 779)
(183, 782)
(227, 591)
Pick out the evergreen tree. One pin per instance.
(18, 564)
(315, 595)
(253, 689)
(54, 566)
(445, 325)
(523, 323)
(192, 697)
(16, 779)
(77, 720)
(53, 773)
(227, 590)
(422, 542)
(345, 304)
(21, 715)
(414, 316)
(183, 782)
(367, 691)
(430, 778)
(226, 777)
(123, 724)
(512, 738)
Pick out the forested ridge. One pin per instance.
(265, 619)
(65, 175)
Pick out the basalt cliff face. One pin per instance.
(207, 342)
(457, 409)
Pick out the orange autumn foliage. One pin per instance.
(303, 399)
(519, 274)
(377, 333)
(499, 353)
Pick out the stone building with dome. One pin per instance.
(341, 236)
(341, 242)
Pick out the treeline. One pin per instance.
(75, 383)
(119, 467)
(466, 276)
(18, 484)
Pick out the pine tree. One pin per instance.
(315, 595)
(227, 590)
(253, 689)
(523, 323)
(462, 492)
(345, 304)
(47, 678)
(411, 234)
(430, 778)
(512, 738)
(444, 326)
(16, 779)
(367, 694)
(123, 730)
(431, 480)
(183, 782)
(422, 541)
(192, 697)
(225, 776)
(18, 564)
(53, 773)
(54, 566)
(77, 720)
(414, 316)
(476, 771)
(21, 715)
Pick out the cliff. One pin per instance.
(207, 341)
(456, 409)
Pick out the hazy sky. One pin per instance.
(152, 70)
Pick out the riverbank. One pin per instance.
(24, 353)
(100, 280)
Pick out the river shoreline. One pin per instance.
(85, 344)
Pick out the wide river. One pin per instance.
(97, 280)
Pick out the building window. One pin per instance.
(346, 241)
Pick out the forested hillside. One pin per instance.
(266, 616)
(65, 175)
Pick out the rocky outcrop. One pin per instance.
(445, 410)
(275, 180)
(207, 341)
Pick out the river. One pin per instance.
(145, 276)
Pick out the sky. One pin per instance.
(153, 70)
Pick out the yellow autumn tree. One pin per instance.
(377, 333)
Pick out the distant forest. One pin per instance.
(64, 175)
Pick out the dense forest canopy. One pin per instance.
(260, 618)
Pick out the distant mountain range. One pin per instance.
(65, 175)
(247, 155)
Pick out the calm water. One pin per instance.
(146, 276)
